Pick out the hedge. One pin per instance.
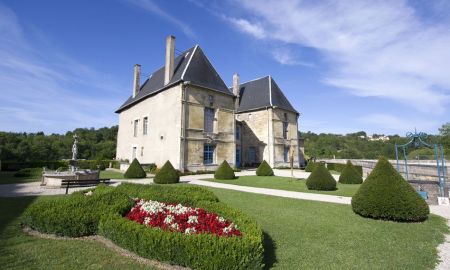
(320, 179)
(264, 169)
(75, 215)
(53, 165)
(135, 170)
(102, 213)
(350, 175)
(386, 195)
(224, 172)
(340, 167)
(167, 175)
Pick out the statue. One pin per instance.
(74, 148)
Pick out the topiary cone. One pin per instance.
(264, 169)
(320, 178)
(386, 195)
(224, 172)
(167, 175)
(310, 166)
(350, 175)
(135, 170)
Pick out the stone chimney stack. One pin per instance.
(170, 52)
(236, 89)
(136, 79)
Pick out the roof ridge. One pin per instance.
(189, 61)
(255, 79)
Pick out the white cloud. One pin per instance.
(247, 27)
(45, 90)
(285, 56)
(155, 9)
(373, 48)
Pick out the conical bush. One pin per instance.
(264, 169)
(350, 175)
(167, 175)
(320, 178)
(135, 170)
(386, 195)
(224, 172)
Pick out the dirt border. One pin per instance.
(109, 244)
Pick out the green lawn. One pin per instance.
(287, 183)
(20, 251)
(111, 174)
(8, 178)
(315, 235)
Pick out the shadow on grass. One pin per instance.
(11, 209)
(270, 257)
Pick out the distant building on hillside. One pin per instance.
(185, 113)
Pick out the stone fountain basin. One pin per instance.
(55, 179)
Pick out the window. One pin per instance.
(286, 154)
(252, 155)
(135, 130)
(238, 132)
(285, 117)
(145, 126)
(208, 154)
(133, 154)
(285, 130)
(209, 120)
(142, 151)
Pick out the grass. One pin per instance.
(314, 235)
(21, 251)
(8, 177)
(111, 174)
(287, 183)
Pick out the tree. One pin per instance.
(445, 129)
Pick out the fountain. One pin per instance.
(58, 178)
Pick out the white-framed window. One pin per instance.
(145, 126)
(133, 153)
(135, 127)
(208, 154)
(209, 120)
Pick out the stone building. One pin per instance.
(185, 113)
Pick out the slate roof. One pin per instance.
(261, 93)
(191, 65)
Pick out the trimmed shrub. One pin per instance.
(386, 195)
(102, 213)
(75, 215)
(340, 167)
(135, 170)
(29, 172)
(167, 175)
(264, 169)
(198, 251)
(320, 179)
(224, 172)
(350, 175)
(310, 166)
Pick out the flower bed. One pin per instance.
(179, 218)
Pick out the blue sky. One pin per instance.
(378, 66)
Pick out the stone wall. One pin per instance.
(196, 100)
(162, 141)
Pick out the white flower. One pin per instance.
(190, 230)
(147, 220)
(174, 226)
(228, 229)
(169, 219)
(221, 219)
(192, 219)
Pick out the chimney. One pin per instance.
(170, 51)
(236, 88)
(136, 79)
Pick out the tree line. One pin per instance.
(358, 146)
(94, 144)
(100, 144)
